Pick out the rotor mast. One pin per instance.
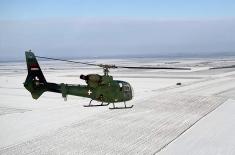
(106, 71)
(106, 68)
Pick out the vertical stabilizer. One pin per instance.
(35, 82)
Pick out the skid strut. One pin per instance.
(96, 105)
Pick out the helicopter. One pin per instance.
(101, 88)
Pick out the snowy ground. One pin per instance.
(194, 118)
(214, 134)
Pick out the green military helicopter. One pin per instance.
(101, 88)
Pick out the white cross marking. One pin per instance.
(89, 92)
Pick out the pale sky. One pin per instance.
(107, 28)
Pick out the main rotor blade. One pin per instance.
(112, 66)
(135, 67)
(84, 63)
(223, 67)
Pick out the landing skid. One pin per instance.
(98, 105)
(122, 107)
(125, 107)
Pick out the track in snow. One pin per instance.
(145, 129)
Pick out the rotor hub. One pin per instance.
(106, 68)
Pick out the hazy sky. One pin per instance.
(120, 27)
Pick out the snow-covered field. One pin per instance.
(194, 118)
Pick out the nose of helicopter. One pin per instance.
(129, 91)
(132, 92)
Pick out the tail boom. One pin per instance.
(36, 83)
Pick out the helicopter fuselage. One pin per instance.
(99, 88)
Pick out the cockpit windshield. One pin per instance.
(126, 87)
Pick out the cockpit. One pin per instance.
(126, 89)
